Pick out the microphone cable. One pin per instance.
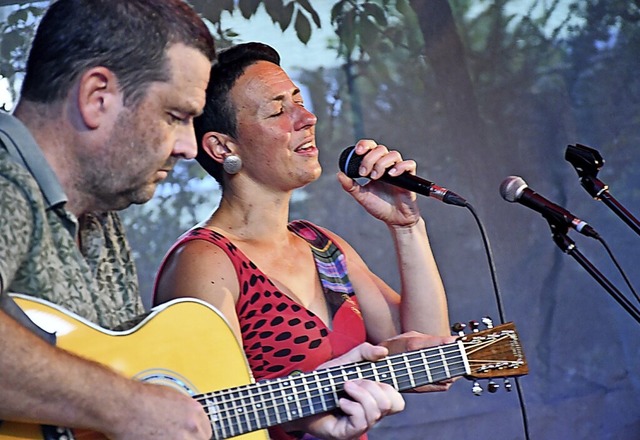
(498, 296)
(588, 162)
(349, 164)
(619, 267)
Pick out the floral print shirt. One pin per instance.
(84, 265)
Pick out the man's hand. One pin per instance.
(414, 341)
(162, 413)
(368, 402)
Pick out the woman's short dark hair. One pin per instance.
(129, 37)
(219, 113)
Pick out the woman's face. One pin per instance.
(275, 132)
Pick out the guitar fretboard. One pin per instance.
(247, 408)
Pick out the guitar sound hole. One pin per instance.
(167, 378)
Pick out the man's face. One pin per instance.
(147, 140)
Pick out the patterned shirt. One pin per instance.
(84, 266)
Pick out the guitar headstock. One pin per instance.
(494, 352)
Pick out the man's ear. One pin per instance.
(98, 95)
(218, 145)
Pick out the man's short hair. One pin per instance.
(129, 37)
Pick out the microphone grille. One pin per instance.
(511, 188)
(349, 162)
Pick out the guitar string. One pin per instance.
(230, 405)
(310, 387)
(417, 358)
(401, 360)
(364, 370)
(268, 415)
(398, 359)
(392, 359)
(368, 372)
(242, 425)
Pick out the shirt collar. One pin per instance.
(24, 150)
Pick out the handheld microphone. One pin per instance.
(349, 164)
(515, 189)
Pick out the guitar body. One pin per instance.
(184, 344)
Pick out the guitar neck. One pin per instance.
(247, 408)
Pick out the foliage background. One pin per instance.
(474, 91)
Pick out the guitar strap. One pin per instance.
(8, 140)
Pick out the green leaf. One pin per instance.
(314, 15)
(11, 41)
(348, 31)
(248, 7)
(337, 10)
(376, 12)
(302, 27)
(19, 16)
(274, 8)
(212, 11)
(403, 7)
(287, 14)
(369, 34)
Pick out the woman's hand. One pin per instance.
(394, 206)
(368, 402)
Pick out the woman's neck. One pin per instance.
(252, 218)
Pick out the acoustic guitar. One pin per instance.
(187, 344)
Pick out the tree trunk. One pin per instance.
(465, 130)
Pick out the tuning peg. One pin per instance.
(507, 385)
(458, 328)
(474, 325)
(493, 387)
(476, 388)
(487, 321)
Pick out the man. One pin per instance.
(106, 109)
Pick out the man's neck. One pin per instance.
(49, 128)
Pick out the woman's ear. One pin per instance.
(217, 145)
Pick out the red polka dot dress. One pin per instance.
(279, 335)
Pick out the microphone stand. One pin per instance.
(587, 162)
(599, 191)
(560, 238)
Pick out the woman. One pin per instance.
(296, 295)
